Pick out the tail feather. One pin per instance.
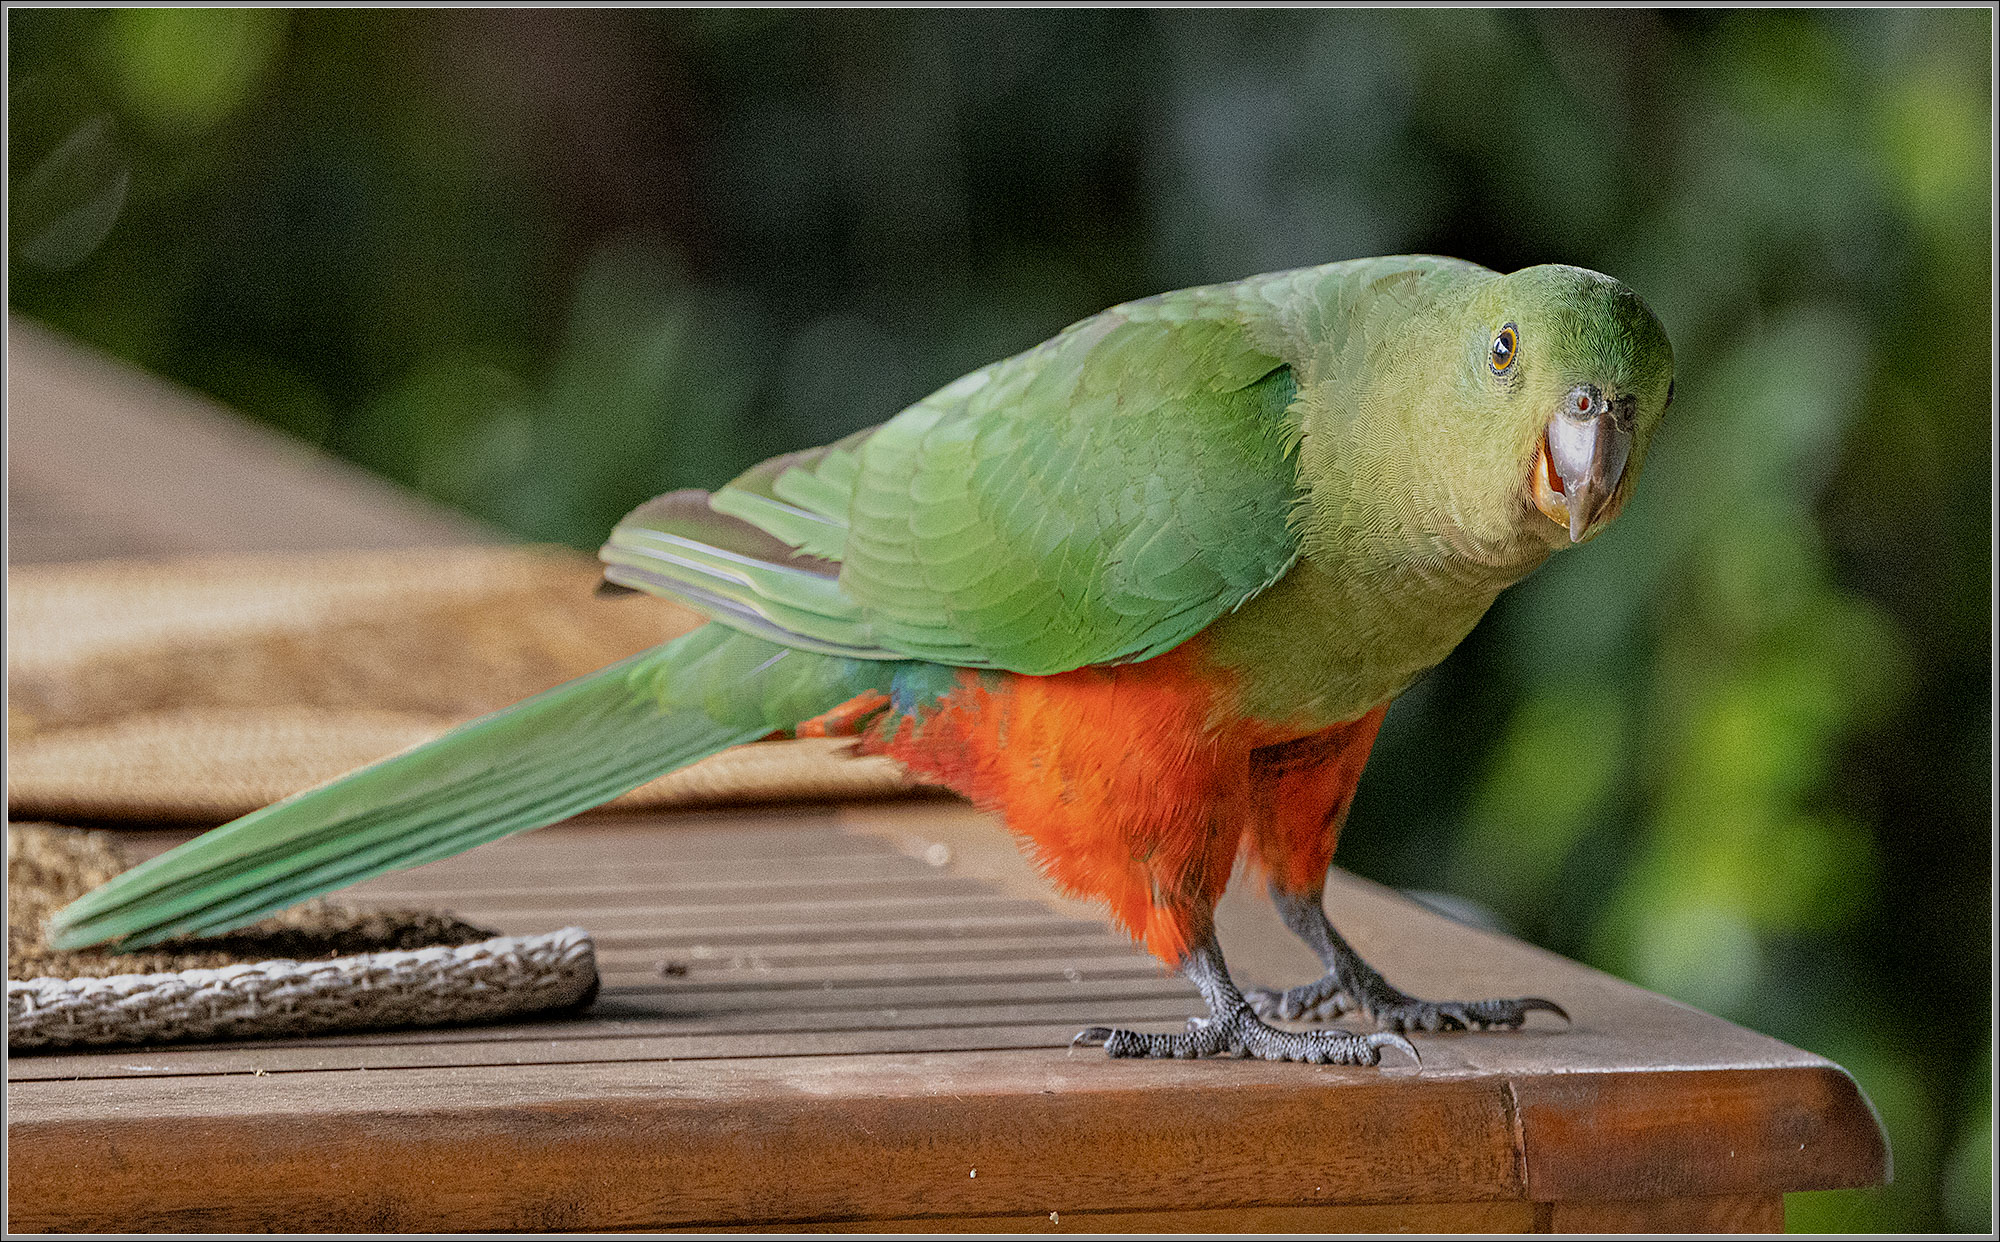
(541, 760)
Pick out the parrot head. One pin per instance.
(1575, 372)
(1506, 418)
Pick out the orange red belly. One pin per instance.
(1134, 784)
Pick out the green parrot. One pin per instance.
(1145, 590)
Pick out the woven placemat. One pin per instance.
(320, 967)
(504, 977)
(198, 690)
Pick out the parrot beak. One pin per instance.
(1581, 460)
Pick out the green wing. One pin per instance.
(1101, 497)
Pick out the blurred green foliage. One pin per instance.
(545, 264)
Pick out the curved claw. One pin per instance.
(1389, 1039)
(1530, 1003)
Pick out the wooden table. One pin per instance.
(857, 1018)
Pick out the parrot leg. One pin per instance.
(1231, 1028)
(1351, 984)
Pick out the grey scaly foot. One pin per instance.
(1351, 984)
(1232, 1029)
(1244, 1035)
(1394, 1010)
(1322, 1000)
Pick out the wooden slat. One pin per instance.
(968, 1033)
(698, 997)
(1364, 1218)
(769, 1140)
(1747, 1213)
(639, 927)
(1111, 961)
(1050, 947)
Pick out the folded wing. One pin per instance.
(1099, 498)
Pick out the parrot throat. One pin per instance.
(1400, 556)
(1357, 619)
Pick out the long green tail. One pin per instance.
(543, 759)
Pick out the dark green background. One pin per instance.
(542, 265)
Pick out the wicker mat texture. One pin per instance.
(196, 690)
(318, 967)
(199, 690)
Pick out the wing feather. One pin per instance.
(1100, 497)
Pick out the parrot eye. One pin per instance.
(1503, 350)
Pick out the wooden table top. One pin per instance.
(857, 1017)
(860, 1015)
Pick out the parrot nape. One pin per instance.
(1145, 590)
